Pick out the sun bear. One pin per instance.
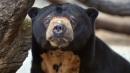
(64, 34)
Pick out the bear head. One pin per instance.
(66, 26)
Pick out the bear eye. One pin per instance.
(47, 20)
(73, 21)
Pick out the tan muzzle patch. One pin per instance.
(67, 32)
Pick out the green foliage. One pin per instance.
(26, 25)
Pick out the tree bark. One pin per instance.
(14, 41)
(113, 7)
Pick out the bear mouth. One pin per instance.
(59, 41)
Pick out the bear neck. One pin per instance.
(87, 54)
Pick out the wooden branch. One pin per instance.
(112, 26)
(14, 43)
(120, 7)
(57, 1)
(114, 7)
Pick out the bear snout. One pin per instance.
(59, 32)
(58, 29)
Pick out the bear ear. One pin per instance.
(92, 13)
(32, 12)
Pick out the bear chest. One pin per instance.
(60, 62)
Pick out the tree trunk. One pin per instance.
(14, 41)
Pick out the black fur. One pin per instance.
(95, 56)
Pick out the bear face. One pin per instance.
(62, 26)
(60, 32)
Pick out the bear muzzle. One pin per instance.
(59, 32)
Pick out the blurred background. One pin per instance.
(112, 25)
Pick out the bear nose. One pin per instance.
(58, 29)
